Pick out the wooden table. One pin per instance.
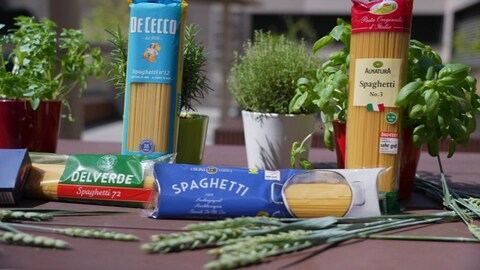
(463, 172)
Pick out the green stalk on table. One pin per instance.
(450, 202)
(24, 239)
(80, 232)
(13, 236)
(24, 215)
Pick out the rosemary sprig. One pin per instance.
(117, 67)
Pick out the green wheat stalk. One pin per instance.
(82, 232)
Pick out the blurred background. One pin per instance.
(451, 27)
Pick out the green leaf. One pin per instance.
(417, 111)
(407, 93)
(306, 164)
(457, 130)
(433, 147)
(321, 43)
(451, 148)
(453, 74)
(431, 101)
(419, 134)
(35, 103)
(328, 139)
(430, 73)
(303, 81)
(29, 94)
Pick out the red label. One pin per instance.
(388, 134)
(104, 193)
(381, 16)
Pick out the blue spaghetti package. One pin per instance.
(213, 192)
(153, 77)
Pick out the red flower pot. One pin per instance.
(22, 127)
(408, 164)
(410, 156)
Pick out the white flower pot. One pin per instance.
(269, 137)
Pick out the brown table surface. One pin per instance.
(463, 172)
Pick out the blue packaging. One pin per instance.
(153, 77)
(15, 165)
(212, 192)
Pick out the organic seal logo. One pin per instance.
(212, 170)
(378, 64)
(391, 118)
(107, 162)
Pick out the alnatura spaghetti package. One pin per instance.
(154, 72)
(210, 192)
(378, 68)
(123, 180)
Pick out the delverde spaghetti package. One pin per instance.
(210, 192)
(123, 180)
(378, 70)
(154, 73)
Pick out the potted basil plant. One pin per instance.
(263, 82)
(193, 127)
(41, 69)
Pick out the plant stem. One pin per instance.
(7, 227)
(420, 238)
(445, 214)
(28, 226)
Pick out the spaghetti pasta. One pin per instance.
(318, 199)
(378, 63)
(149, 109)
(103, 179)
(154, 74)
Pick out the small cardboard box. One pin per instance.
(15, 166)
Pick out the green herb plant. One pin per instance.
(325, 89)
(263, 78)
(46, 65)
(439, 101)
(195, 83)
(117, 65)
